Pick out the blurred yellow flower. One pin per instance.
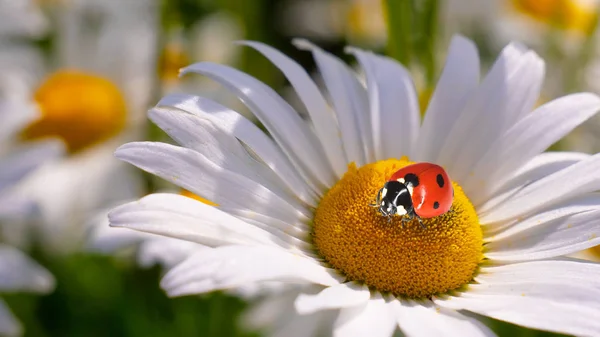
(80, 108)
(564, 14)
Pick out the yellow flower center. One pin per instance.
(364, 20)
(79, 108)
(194, 196)
(564, 14)
(173, 58)
(409, 261)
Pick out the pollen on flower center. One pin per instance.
(80, 108)
(412, 262)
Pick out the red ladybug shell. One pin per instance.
(432, 193)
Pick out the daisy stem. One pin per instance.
(429, 40)
(399, 22)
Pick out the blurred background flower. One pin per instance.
(18, 272)
(83, 73)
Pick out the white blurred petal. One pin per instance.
(20, 273)
(25, 159)
(9, 325)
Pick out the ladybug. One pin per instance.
(421, 190)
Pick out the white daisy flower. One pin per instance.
(92, 95)
(17, 271)
(294, 207)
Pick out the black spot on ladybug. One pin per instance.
(411, 179)
(436, 205)
(440, 180)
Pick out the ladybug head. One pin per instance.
(394, 199)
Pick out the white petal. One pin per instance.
(184, 218)
(218, 146)
(585, 203)
(536, 313)
(25, 159)
(540, 166)
(549, 160)
(15, 208)
(282, 121)
(192, 171)
(394, 107)
(579, 178)
(297, 240)
(64, 204)
(426, 319)
(323, 120)
(233, 266)
(556, 237)
(167, 252)
(490, 111)
(530, 136)
(538, 296)
(295, 325)
(297, 230)
(248, 133)
(277, 317)
(20, 273)
(14, 116)
(268, 311)
(9, 325)
(340, 296)
(563, 271)
(459, 79)
(106, 240)
(349, 100)
(376, 318)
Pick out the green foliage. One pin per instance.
(98, 296)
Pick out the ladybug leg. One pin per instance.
(377, 199)
(421, 222)
(405, 219)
